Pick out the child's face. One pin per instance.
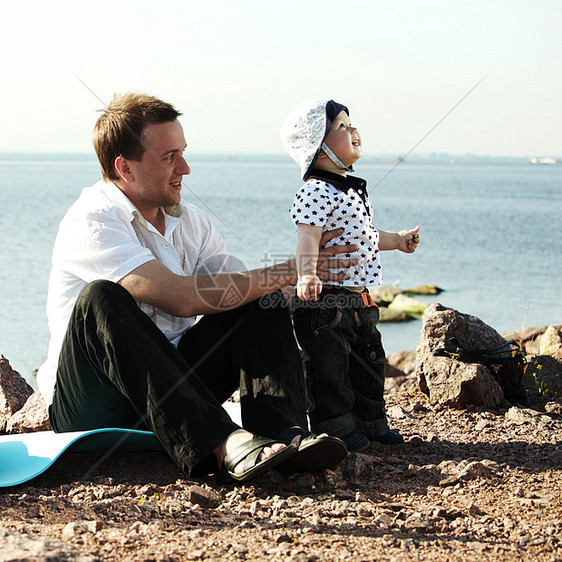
(344, 140)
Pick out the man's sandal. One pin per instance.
(249, 453)
(313, 454)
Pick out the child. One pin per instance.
(336, 324)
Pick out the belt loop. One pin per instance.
(367, 299)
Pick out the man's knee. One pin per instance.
(101, 291)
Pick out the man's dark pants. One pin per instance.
(117, 369)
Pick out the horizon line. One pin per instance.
(367, 156)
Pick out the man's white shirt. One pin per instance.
(104, 236)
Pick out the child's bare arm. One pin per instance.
(309, 285)
(405, 240)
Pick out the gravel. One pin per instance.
(466, 485)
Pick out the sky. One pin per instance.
(235, 68)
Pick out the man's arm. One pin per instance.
(154, 284)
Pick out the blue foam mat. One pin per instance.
(24, 456)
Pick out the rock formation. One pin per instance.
(14, 392)
(33, 416)
(448, 381)
(21, 409)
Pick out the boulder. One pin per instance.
(528, 339)
(32, 417)
(429, 289)
(455, 384)
(384, 294)
(550, 342)
(448, 381)
(441, 324)
(14, 392)
(400, 371)
(400, 382)
(404, 361)
(410, 306)
(390, 372)
(392, 315)
(543, 378)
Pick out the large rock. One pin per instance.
(544, 378)
(391, 315)
(458, 385)
(404, 361)
(384, 294)
(400, 371)
(448, 381)
(528, 339)
(550, 343)
(442, 324)
(32, 417)
(410, 306)
(429, 289)
(14, 392)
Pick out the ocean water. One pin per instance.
(490, 233)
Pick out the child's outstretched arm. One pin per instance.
(309, 285)
(406, 240)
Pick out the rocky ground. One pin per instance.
(466, 485)
(477, 483)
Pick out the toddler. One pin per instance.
(336, 323)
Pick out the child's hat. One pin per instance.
(305, 129)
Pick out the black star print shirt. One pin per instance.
(333, 201)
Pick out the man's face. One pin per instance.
(159, 174)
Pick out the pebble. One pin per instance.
(521, 416)
(481, 425)
(418, 522)
(383, 520)
(397, 413)
(204, 497)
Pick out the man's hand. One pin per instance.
(409, 240)
(327, 261)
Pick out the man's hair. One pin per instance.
(118, 131)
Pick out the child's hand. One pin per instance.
(409, 240)
(309, 287)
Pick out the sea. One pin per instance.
(490, 233)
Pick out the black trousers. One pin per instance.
(117, 369)
(345, 365)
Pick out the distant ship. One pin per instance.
(389, 160)
(542, 161)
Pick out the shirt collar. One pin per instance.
(343, 183)
(175, 210)
(120, 198)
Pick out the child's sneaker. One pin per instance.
(355, 442)
(390, 438)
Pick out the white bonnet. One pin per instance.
(304, 130)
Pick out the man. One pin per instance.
(132, 267)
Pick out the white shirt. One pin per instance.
(104, 236)
(320, 203)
